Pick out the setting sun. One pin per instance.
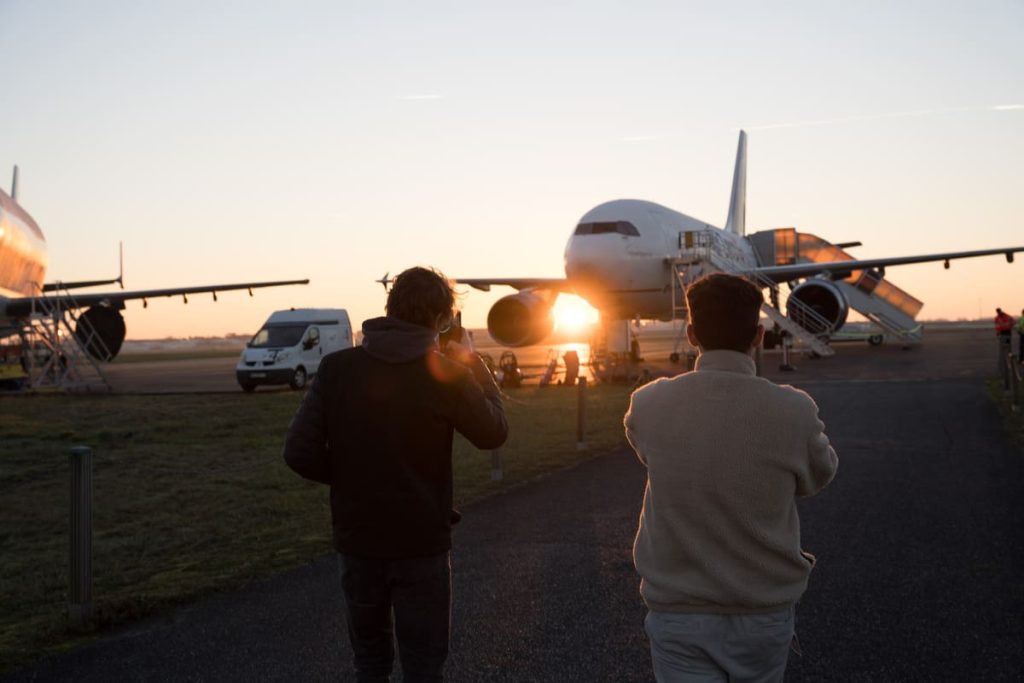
(573, 314)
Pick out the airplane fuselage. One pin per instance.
(23, 257)
(620, 257)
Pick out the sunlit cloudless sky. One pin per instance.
(237, 141)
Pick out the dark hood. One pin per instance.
(396, 341)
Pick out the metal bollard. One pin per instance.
(581, 414)
(1004, 369)
(497, 467)
(80, 574)
(1011, 370)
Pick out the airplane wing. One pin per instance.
(800, 270)
(84, 284)
(22, 307)
(484, 285)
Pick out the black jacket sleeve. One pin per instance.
(305, 446)
(479, 414)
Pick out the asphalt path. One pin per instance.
(918, 539)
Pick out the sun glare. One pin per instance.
(573, 314)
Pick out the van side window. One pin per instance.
(313, 337)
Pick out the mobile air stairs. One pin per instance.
(56, 346)
(889, 308)
(867, 292)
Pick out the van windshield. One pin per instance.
(277, 336)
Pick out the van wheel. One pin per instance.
(875, 340)
(298, 379)
(248, 387)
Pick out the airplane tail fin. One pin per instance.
(14, 184)
(737, 221)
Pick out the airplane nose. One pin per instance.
(592, 263)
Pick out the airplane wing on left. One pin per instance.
(796, 271)
(23, 307)
(485, 284)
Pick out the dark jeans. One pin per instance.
(409, 599)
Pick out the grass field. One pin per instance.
(191, 496)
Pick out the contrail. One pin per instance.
(886, 115)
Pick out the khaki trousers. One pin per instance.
(733, 648)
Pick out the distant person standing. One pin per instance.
(1004, 327)
(1020, 338)
(727, 455)
(377, 425)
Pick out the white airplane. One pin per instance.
(631, 259)
(24, 293)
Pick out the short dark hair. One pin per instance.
(421, 296)
(724, 310)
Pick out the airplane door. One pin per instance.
(312, 351)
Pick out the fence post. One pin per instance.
(1012, 372)
(581, 414)
(1004, 369)
(80, 569)
(497, 466)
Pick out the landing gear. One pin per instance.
(615, 353)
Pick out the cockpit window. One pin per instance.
(605, 227)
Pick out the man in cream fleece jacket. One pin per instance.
(727, 455)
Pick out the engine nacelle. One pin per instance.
(822, 297)
(101, 332)
(520, 319)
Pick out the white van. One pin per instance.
(289, 346)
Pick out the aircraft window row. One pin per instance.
(607, 227)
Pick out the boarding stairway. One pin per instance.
(891, 309)
(885, 305)
(700, 254)
(54, 346)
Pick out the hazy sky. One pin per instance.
(234, 141)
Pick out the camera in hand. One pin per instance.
(454, 333)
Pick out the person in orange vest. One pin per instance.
(1004, 326)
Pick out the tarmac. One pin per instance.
(918, 539)
(946, 352)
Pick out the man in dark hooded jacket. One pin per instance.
(376, 425)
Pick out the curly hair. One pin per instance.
(421, 296)
(724, 311)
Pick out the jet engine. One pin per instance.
(822, 297)
(520, 319)
(101, 332)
